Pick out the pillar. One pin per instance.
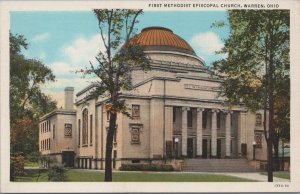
(184, 131)
(228, 135)
(214, 133)
(199, 132)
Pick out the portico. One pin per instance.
(200, 132)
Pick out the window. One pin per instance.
(79, 131)
(53, 131)
(258, 121)
(174, 114)
(68, 130)
(135, 135)
(91, 129)
(204, 119)
(107, 115)
(189, 118)
(84, 127)
(258, 138)
(135, 110)
(115, 135)
(218, 120)
(49, 143)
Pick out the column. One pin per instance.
(214, 133)
(199, 132)
(168, 131)
(228, 135)
(184, 131)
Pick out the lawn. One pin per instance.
(98, 176)
(279, 174)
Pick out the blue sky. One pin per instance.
(66, 41)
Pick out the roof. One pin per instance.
(160, 38)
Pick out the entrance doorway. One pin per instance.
(190, 147)
(219, 148)
(68, 158)
(204, 148)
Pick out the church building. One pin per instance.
(177, 113)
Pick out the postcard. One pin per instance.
(149, 96)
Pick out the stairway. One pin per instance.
(217, 165)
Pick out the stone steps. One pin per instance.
(217, 165)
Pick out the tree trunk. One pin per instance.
(109, 147)
(276, 152)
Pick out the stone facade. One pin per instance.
(177, 113)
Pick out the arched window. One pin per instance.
(85, 127)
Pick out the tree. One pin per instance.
(27, 102)
(257, 64)
(114, 65)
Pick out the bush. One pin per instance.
(16, 166)
(146, 167)
(57, 173)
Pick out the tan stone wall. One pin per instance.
(129, 149)
(175, 58)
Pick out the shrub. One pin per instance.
(57, 173)
(146, 167)
(16, 166)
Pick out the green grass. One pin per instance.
(31, 164)
(279, 174)
(92, 176)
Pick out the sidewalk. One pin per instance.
(255, 176)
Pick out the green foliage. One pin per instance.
(256, 39)
(114, 66)
(27, 102)
(17, 166)
(257, 67)
(146, 167)
(57, 173)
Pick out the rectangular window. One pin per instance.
(135, 135)
(49, 144)
(91, 129)
(258, 119)
(190, 118)
(79, 131)
(68, 130)
(204, 119)
(174, 114)
(135, 110)
(258, 139)
(53, 131)
(107, 115)
(218, 120)
(115, 135)
(49, 126)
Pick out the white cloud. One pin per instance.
(56, 89)
(83, 50)
(205, 44)
(60, 68)
(41, 37)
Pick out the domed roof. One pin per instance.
(163, 39)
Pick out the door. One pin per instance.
(68, 158)
(219, 148)
(190, 147)
(204, 148)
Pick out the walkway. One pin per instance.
(255, 176)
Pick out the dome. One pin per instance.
(162, 39)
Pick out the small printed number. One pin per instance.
(281, 185)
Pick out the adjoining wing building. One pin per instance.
(176, 110)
